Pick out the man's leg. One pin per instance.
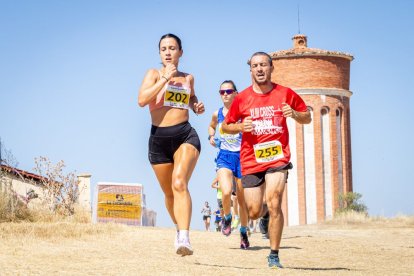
(208, 223)
(235, 209)
(275, 185)
(253, 197)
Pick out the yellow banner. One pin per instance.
(119, 199)
(111, 205)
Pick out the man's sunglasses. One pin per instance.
(226, 91)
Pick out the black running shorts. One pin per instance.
(257, 179)
(164, 142)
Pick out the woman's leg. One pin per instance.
(163, 172)
(242, 204)
(225, 179)
(185, 159)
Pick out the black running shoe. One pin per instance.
(244, 241)
(226, 228)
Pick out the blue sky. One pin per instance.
(70, 73)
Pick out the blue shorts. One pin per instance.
(229, 160)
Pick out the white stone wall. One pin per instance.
(292, 184)
(21, 188)
(326, 153)
(310, 177)
(84, 187)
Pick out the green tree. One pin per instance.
(351, 202)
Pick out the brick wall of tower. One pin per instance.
(312, 72)
(319, 72)
(332, 103)
(347, 148)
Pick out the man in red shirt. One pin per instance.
(260, 113)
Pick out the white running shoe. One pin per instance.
(183, 247)
(176, 240)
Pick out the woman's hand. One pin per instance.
(169, 71)
(198, 108)
(211, 140)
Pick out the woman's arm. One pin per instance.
(198, 107)
(150, 87)
(212, 128)
(151, 84)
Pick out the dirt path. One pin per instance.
(310, 250)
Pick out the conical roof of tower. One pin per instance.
(300, 49)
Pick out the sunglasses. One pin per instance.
(226, 91)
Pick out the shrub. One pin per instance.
(61, 188)
(350, 202)
(12, 208)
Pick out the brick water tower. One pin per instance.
(321, 150)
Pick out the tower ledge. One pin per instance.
(300, 49)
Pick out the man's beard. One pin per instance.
(262, 81)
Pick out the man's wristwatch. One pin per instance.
(209, 137)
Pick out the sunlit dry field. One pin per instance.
(383, 247)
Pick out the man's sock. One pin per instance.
(274, 252)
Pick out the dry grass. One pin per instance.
(356, 218)
(43, 214)
(55, 230)
(374, 247)
(52, 226)
(12, 209)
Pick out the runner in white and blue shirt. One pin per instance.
(229, 154)
(228, 163)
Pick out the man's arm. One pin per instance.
(300, 117)
(233, 128)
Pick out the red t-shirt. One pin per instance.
(267, 146)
